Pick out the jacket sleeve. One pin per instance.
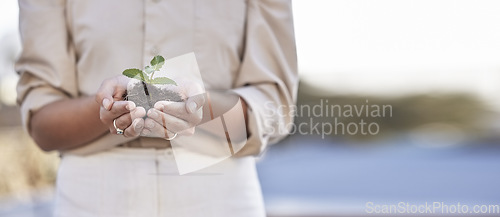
(268, 78)
(47, 62)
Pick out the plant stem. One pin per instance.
(148, 97)
(152, 74)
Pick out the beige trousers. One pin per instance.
(143, 182)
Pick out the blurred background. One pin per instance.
(436, 63)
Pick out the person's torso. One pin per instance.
(112, 35)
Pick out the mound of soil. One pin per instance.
(146, 95)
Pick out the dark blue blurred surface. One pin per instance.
(305, 174)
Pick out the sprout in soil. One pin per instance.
(151, 93)
(146, 76)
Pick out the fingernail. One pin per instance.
(130, 106)
(137, 124)
(106, 103)
(152, 114)
(192, 107)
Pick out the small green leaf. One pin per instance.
(144, 77)
(157, 62)
(149, 70)
(163, 80)
(132, 73)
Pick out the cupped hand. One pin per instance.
(125, 114)
(167, 118)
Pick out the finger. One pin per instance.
(109, 90)
(104, 95)
(138, 112)
(134, 130)
(154, 129)
(121, 122)
(121, 107)
(107, 103)
(177, 109)
(194, 103)
(177, 122)
(169, 122)
(118, 109)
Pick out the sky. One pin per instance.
(396, 47)
(8, 25)
(8, 15)
(389, 47)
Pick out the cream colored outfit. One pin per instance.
(145, 183)
(71, 46)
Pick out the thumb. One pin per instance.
(107, 103)
(194, 103)
(105, 93)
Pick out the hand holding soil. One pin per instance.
(110, 96)
(169, 117)
(145, 91)
(145, 105)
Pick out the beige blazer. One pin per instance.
(248, 46)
